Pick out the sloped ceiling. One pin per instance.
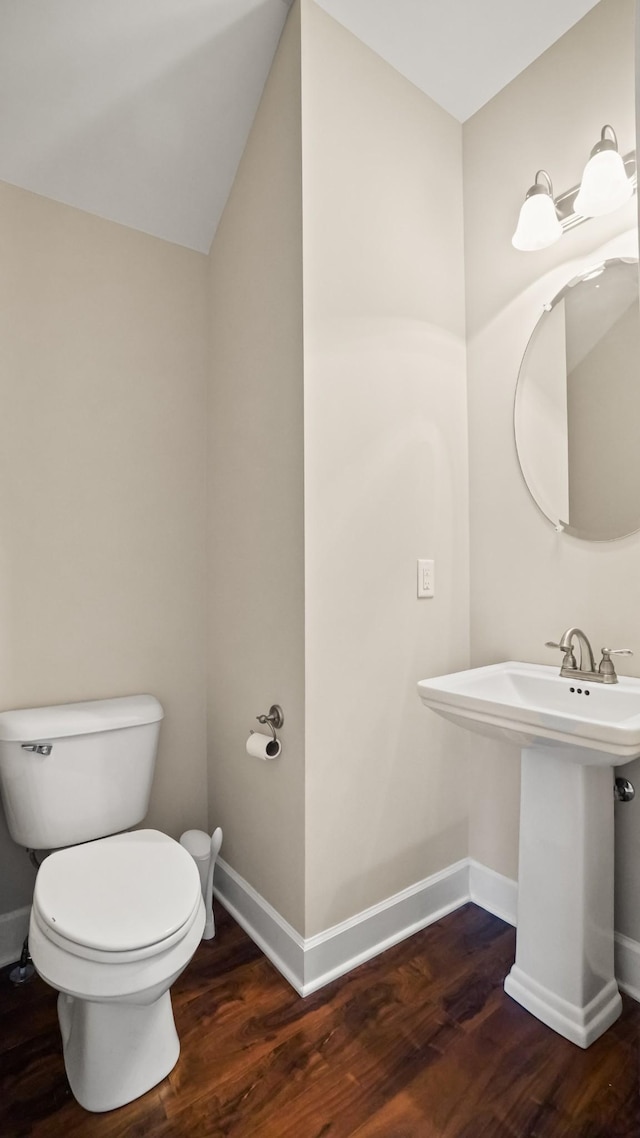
(139, 110)
(135, 110)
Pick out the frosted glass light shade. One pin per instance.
(605, 185)
(538, 225)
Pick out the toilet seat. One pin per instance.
(84, 952)
(118, 899)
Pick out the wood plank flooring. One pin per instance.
(421, 1042)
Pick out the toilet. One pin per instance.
(117, 914)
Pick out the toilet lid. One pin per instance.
(119, 893)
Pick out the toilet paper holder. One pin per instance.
(274, 717)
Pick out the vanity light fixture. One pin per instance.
(605, 185)
(609, 180)
(538, 225)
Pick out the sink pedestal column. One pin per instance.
(564, 969)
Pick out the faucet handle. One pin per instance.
(606, 667)
(569, 660)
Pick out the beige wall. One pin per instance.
(385, 473)
(102, 484)
(256, 526)
(529, 583)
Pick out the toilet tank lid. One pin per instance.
(86, 718)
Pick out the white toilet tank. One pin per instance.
(77, 771)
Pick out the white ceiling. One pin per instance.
(139, 110)
(460, 52)
(135, 110)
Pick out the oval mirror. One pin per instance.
(577, 405)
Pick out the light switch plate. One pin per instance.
(426, 579)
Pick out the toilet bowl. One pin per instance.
(114, 922)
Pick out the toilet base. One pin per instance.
(115, 1052)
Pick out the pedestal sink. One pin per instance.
(571, 736)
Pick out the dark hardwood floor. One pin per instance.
(421, 1042)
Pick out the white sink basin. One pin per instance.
(531, 705)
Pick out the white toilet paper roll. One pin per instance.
(263, 746)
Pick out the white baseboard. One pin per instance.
(493, 891)
(628, 965)
(275, 936)
(339, 949)
(309, 964)
(13, 929)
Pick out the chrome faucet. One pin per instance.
(586, 668)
